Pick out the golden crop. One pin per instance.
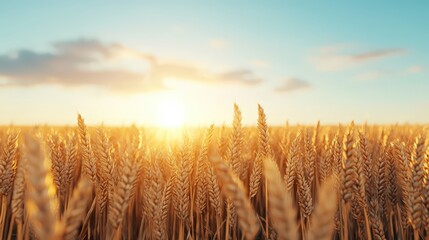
(300, 182)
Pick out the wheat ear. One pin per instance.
(76, 209)
(233, 188)
(417, 183)
(8, 164)
(18, 191)
(41, 191)
(282, 211)
(322, 220)
(122, 194)
(88, 158)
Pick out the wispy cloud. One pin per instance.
(371, 75)
(366, 56)
(380, 74)
(86, 62)
(260, 63)
(244, 76)
(414, 69)
(336, 58)
(218, 44)
(293, 84)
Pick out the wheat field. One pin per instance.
(220, 182)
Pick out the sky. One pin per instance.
(126, 62)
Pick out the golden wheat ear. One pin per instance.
(263, 151)
(122, 194)
(322, 221)
(8, 163)
(281, 209)
(233, 188)
(88, 158)
(202, 167)
(40, 200)
(18, 192)
(236, 147)
(418, 162)
(76, 210)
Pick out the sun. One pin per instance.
(171, 114)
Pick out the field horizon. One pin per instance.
(263, 182)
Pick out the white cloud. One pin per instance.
(260, 63)
(335, 58)
(414, 69)
(371, 75)
(91, 62)
(293, 84)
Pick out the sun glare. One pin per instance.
(171, 114)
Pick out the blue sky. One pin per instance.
(333, 61)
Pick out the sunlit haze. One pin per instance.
(187, 63)
(171, 114)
